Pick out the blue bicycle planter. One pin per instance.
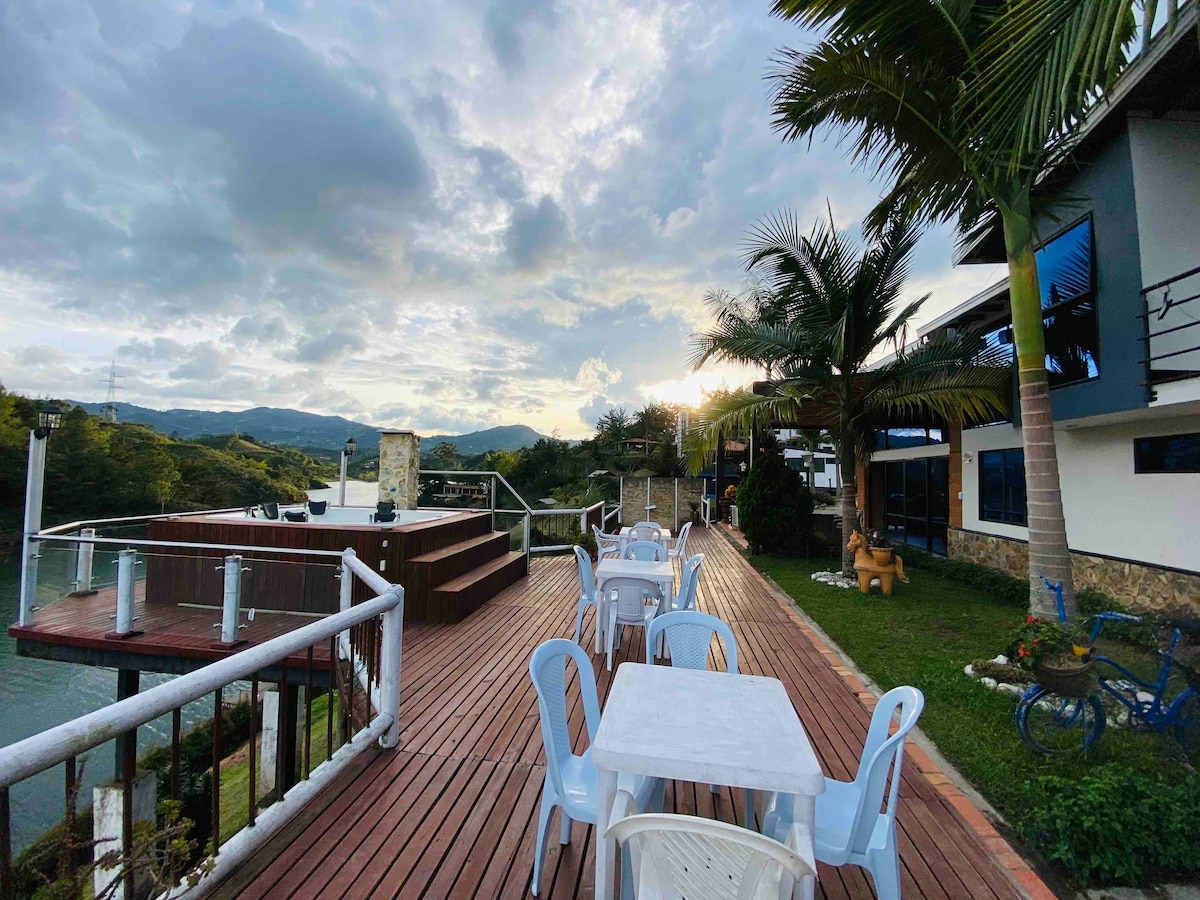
(1049, 723)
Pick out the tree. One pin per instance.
(964, 107)
(444, 456)
(837, 311)
(774, 507)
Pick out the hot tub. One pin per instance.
(336, 515)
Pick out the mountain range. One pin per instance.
(305, 430)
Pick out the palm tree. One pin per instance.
(964, 106)
(832, 312)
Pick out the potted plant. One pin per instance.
(1059, 655)
(879, 547)
(727, 501)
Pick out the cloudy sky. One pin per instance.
(441, 216)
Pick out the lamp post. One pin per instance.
(49, 419)
(347, 452)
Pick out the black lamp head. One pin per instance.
(49, 419)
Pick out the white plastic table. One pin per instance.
(625, 538)
(661, 573)
(706, 727)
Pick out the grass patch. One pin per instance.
(235, 777)
(924, 636)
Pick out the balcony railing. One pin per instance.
(1171, 331)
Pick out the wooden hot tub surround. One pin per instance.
(449, 566)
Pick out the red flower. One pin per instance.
(1029, 620)
(1021, 651)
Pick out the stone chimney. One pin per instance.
(399, 461)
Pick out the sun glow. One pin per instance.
(691, 389)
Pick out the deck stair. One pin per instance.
(451, 582)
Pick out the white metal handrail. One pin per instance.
(56, 745)
(72, 739)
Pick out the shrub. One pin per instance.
(1006, 589)
(587, 542)
(774, 509)
(1115, 826)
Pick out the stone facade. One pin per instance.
(399, 462)
(1132, 584)
(663, 493)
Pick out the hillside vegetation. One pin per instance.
(97, 469)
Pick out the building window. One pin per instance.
(1173, 453)
(1066, 278)
(1002, 486)
(904, 438)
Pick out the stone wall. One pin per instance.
(1132, 584)
(663, 492)
(399, 462)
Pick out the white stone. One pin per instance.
(989, 683)
(1014, 689)
(1144, 697)
(1001, 660)
(969, 671)
(875, 582)
(107, 808)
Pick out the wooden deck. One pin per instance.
(173, 639)
(453, 813)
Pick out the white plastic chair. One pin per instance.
(646, 531)
(646, 551)
(689, 584)
(626, 596)
(680, 548)
(850, 828)
(677, 856)
(570, 782)
(606, 544)
(587, 595)
(688, 635)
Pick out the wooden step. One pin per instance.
(425, 572)
(458, 598)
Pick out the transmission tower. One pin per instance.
(112, 385)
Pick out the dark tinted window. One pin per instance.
(1172, 453)
(1068, 294)
(1002, 486)
(1064, 265)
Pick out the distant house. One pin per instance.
(459, 490)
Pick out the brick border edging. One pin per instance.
(1024, 878)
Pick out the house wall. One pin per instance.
(1166, 177)
(1165, 155)
(1126, 531)
(1104, 188)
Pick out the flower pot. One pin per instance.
(881, 555)
(1067, 678)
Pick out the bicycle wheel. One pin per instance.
(1050, 724)
(1187, 728)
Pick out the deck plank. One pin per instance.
(453, 813)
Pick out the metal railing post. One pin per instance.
(526, 538)
(493, 503)
(232, 601)
(83, 561)
(389, 669)
(126, 560)
(33, 524)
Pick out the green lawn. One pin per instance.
(924, 635)
(235, 778)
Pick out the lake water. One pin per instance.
(36, 695)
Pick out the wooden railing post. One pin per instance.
(126, 560)
(389, 669)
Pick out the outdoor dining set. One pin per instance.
(686, 723)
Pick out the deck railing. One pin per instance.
(542, 530)
(349, 664)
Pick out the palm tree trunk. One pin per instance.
(847, 463)
(1048, 551)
